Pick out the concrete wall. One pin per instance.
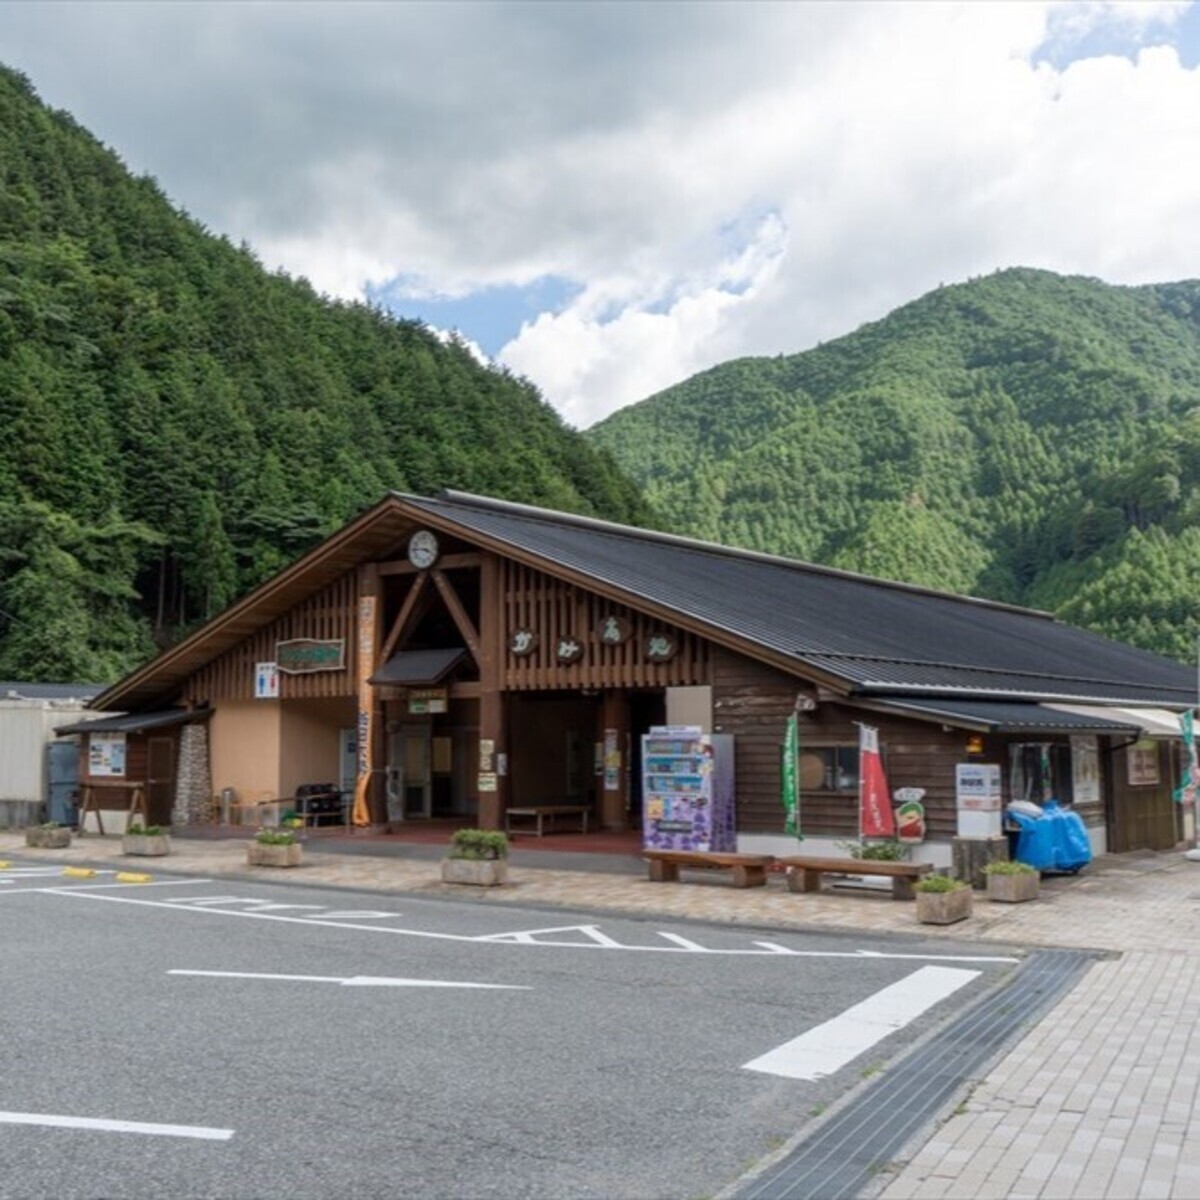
(308, 747)
(245, 738)
(25, 727)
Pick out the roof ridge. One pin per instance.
(551, 516)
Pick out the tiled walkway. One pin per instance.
(1096, 1100)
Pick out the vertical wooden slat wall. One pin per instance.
(552, 609)
(329, 614)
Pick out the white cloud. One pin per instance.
(720, 179)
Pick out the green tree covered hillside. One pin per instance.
(176, 422)
(1025, 436)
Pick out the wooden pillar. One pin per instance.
(615, 718)
(372, 734)
(492, 783)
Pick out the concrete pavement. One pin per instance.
(1098, 1099)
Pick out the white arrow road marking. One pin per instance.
(358, 980)
(829, 1046)
(54, 1121)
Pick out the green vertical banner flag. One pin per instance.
(1189, 784)
(791, 778)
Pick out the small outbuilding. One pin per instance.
(37, 770)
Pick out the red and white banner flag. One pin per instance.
(874, 802)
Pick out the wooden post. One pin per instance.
(372, 734)
(493, 735)
(616, 747)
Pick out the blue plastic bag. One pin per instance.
(1072, 849)
(1035, 842)
(1055, 841)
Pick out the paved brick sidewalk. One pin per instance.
(1096, 1100)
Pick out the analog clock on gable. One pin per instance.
(423, 548)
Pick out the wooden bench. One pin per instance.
(749, 870)
(539, 813)
(804, 874)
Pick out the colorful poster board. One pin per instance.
(106, 754)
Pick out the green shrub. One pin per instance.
(478, 844)
(1009, 868)
(275, 837)
(137, 829)
(939, 883)
(887, 851)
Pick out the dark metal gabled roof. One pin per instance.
(875, 635)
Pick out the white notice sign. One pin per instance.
(977, 787)
(266, 681)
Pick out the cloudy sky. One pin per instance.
(610, 197)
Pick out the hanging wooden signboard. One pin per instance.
(612, 631)
(661, 647)
(303, 656)
(522, 642)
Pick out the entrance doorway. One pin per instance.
(160, 780)
(410, 773)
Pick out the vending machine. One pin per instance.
(687, 789)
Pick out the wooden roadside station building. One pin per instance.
(473, 659)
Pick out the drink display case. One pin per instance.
(687, 790)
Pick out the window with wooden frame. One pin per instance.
(829, 769)
(1040, 771)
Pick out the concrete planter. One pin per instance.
(258, 855)
(48, 839)
(944, 908)
(1014, 889)
(145, 845)
(479, 872)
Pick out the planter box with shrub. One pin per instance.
(50, 836)
(1012, 882)
(942, 900)
(274, 848)
(478, 857)
(145, 841)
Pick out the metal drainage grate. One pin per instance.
(846, 1153)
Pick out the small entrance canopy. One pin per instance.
(135, 722)
(1153, 722)
(418, 668)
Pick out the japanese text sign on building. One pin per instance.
(977, 786)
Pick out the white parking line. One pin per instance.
(55, 1121)
(530, 937)
(830, 1046)
(358, 980)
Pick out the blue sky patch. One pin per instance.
(1116, 38)
(490, 317)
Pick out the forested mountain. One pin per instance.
(176, 422)
(1025, 436)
